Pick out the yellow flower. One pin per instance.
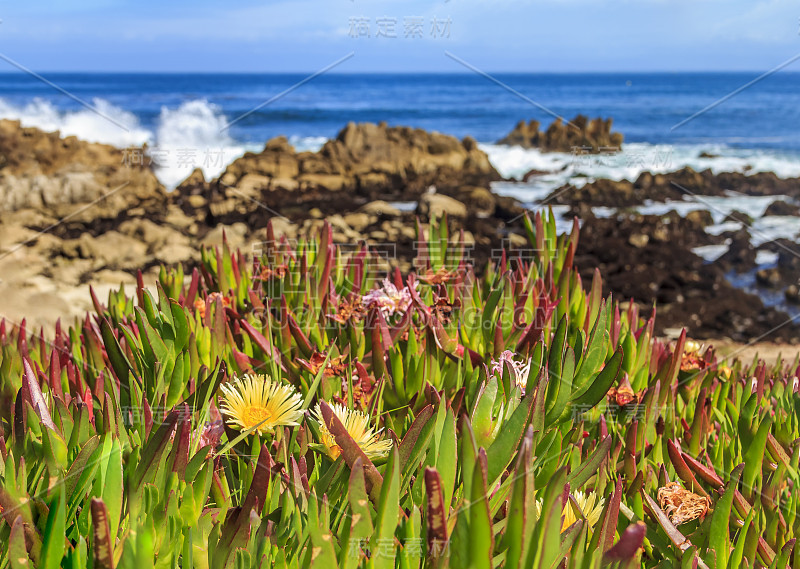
(589, 504)
(258, 400)
(357, 425)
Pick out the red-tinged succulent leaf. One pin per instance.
(153, 449)
(181, 442)
(443, 340)
(262, 342)
(20, 419)
(475, 358)
(437, 510)
(415, 299)
(351, 451)
(257, 493)
(406, 447)
(98, 306)
(591, 466)
(628, 545)
(244, 361)
(401, 327)
(236, 529)
(119, 362)
(704, 472)
(33, 394)
(54, 375)
(80, 463)
(325, 260)
(603, 536)
(103, 542)
(677, 357)
(683, 471)
(17, 548)
(303, 343)
(381, 341)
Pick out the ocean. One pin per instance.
(207, 120)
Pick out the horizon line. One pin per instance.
(405, 72)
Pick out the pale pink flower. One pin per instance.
(389, 299)
(521, 369)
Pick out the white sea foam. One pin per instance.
(766, 258)
(774, 227)
(712, 252)
(192, 136)
(189, 136)
(719, 206)
(307, 143)
(102, 123)
(635, 158)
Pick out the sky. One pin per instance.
(400, 36)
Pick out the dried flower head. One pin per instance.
(441, 276)
(443, 308)
(357, 425)
(691, 360)
(336, 366)
(349, 309)
(623, 393)
(680, 505)
(200, 304)
(257, 400)
(270, 272)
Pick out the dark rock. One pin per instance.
(676, 186)
(739, 217)
(700, 217)
(780, 207)
(741, 255)
(688, 291)
(769, 277)
(588, 136)
(531, 174)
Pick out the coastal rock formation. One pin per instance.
(366, 160)
(688, 291)
(677, 185)
(780, 207)
(56, 175)
(73, 212)
(578, 135)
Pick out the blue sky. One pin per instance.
(306, 35)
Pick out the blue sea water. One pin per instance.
(755, 130)
(645, 106)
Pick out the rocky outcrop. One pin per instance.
(578, 135)
(675, 186)
(41, 170)
(367, 161)
(73, 212)
(780, 207)
(661, 268)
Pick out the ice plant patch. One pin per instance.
(112, 447)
